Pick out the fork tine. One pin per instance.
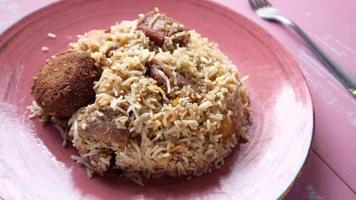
(260, 3)
(253, 4)
(266, 3)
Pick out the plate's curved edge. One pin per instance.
(25, 21)
(306, 87)
(284, 194)
(18, 26)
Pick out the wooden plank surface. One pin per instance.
(330, 172)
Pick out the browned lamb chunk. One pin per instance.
(96, 136)
(158, 27)
(152, 71)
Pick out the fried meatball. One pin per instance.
(65, 83)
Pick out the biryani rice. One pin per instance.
(184, 131)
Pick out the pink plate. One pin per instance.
(34, 165)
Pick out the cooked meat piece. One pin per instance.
(154, 35)
(124, 106)
(182, 81)
(105, 131)
(96, 137)
(157, 26)
(101, 127)
(65, 83)
(152, 71)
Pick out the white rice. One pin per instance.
(187, 135)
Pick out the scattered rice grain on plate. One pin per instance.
(44, 49)
(51, 35)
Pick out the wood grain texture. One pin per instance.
(308, 185)
(335, 111)
(315, 17)
(265, 168)
(328, 23)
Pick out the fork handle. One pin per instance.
(344, 76)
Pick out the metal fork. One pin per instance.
(266, 11)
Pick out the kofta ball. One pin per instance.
(65, 83)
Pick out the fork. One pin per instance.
(266, 11)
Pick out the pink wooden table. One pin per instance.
(330, 172)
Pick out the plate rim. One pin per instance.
(20, 25)
(305, 83)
